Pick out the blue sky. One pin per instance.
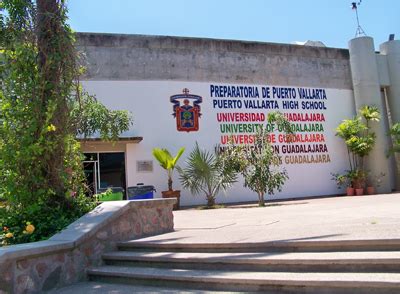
(282, 21)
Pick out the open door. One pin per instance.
(105, 170)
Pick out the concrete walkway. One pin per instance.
(336, 218)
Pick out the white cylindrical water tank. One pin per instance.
(366, 85)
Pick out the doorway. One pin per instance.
(104, 170)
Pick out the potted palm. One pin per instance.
(168, 163)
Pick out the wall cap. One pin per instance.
(80, 230)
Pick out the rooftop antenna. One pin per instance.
(359, 31)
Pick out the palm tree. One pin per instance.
(167, 162)
(206, 173)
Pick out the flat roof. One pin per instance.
(120, 140)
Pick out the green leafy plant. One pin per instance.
(206, 173)
(261, 170)
(89, 117)
(341, 180)
(359, 141)
(395, 133)
(370, 113)
(167, 161)
(350, 131)
(38, 221)
(259, 164)
(42, 110)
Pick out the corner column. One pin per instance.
(391, 49)
(366, 85)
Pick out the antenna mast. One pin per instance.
(359, 31)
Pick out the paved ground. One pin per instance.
(336, 218)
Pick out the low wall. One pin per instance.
(62, 260)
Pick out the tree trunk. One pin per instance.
(48, 30)
(50, 41)
(169, 184)
(210, 201)
(261, 201)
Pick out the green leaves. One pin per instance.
(259, 164)
(163, 156)
(357, 136)
(165, 159)
(370, 113)
(359, 141)
(89, 117)
(205, 173)
(350, 128)
(178, 155)
(395, 133)
(46, 220)
(361, 145)
(261, 167)
(40, 116)
(279, 119)
(167, 162)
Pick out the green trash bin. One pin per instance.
(110, 194)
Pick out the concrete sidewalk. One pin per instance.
(339, 218)
(336, 218)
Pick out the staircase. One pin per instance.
(369, 266)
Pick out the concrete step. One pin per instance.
(276, 246)
(111, 288)
(388, 261)
(267, 282)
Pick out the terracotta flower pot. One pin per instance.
(350, 191)
(173, 194)
(370, 190)
(359, 192)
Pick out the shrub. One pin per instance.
(38, 221)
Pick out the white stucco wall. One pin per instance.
(149, 101)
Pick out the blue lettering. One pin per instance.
(265, 92)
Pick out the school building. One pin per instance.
(229, 87)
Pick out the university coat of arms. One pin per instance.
(186, 111)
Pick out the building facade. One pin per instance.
(185, 90)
